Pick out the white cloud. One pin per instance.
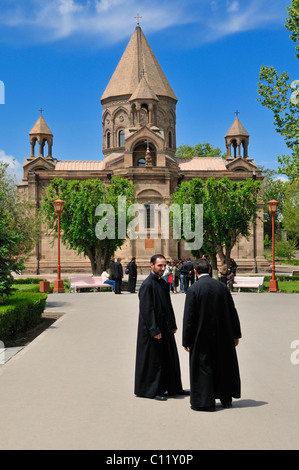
(232, 6)
(112, 20)
(245, 16)
(66, 7)
(284, 179)
(105, 5)
(14, 167)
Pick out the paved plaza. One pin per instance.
(72, 387)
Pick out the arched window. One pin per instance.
(234, 144)
(121, 139)
(141, 162)
(147, 216)
(108, 140)
(169, 140)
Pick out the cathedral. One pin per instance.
(139, 143)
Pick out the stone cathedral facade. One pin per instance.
(139, 143)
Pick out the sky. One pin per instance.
(59, 55)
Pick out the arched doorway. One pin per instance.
(139, 153)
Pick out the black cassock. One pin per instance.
(132, 268)
(210, 325)
(157, 368)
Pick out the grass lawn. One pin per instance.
(26, 287)
(290, 287)
(284, 286)
(35, 287)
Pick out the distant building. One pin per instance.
(139, 143)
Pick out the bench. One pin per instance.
(295, 272)
(81, 282)
(249, 282)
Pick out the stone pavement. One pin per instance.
(72, 387)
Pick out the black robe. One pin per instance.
(118, 275)
(157, 368)
(132, 268)
(210, 325)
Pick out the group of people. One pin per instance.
(179, 274)
(211, 332)
(115, 277)
(227, 273)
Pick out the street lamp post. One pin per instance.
(58, 284)
(273, 286)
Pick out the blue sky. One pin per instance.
(60, 55)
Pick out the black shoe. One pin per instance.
(203, 408)
(226, 403)
(160, 398)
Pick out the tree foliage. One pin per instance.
(286, 193)
(199, 150)
(281, 96)
(273, 188)
(78, 219)
(18, 230)
(229, 208)
(292, 24)
(290, 212)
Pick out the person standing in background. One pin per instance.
(118, 275)
(132, 271)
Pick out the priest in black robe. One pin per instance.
(211, 332)
(132, 279)
(157, 369)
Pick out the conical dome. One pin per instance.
(237, 129)
(137, 59)
(143, 92)
(40, 127)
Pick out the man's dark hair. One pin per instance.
(155, 257)
(202, 266)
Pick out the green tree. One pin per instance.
(292, 24)
(199, 150)
(290, 212)
(18, 230)
(273, 188)
(281, 96)
(229, 208)
(78, 220)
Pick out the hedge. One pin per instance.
(19, 312)
(28, 280)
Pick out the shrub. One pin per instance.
(19, 312)
(28, 280)
(285, 249)
(267, 241)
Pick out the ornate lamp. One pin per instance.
(58, 284)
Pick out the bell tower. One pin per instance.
(237, 140)
(41, 134)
